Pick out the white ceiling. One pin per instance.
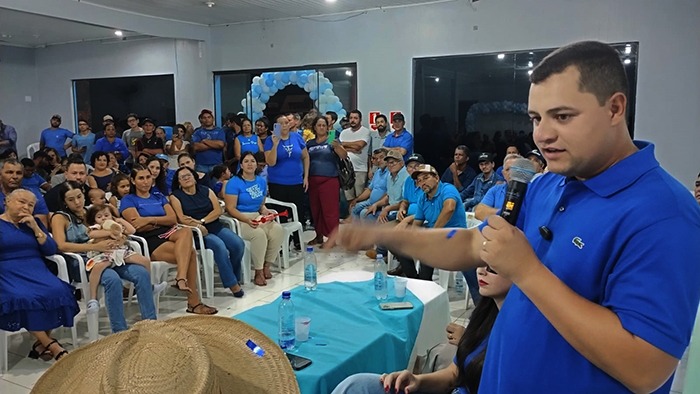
(236, 11)
(30, 30)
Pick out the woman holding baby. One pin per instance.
(71, 233)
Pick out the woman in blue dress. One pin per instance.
(464, 374)
(31, 297)
(246, 141)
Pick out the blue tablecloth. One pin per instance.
(349, 333)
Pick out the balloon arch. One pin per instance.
(267, 84)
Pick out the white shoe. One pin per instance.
(157, 289)
(93, 306)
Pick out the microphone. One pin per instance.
(521, 173)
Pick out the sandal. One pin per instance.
(35, 354)
(208, 310)
(186, 289)
(61, 354)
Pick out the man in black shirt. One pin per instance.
(76, 170)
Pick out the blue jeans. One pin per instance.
(111, 280)
(204, 168)
(359, 210)
(228, 251)
(362, 383)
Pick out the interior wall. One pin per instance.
(383, 43)
(18, 81)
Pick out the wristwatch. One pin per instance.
(202, 221)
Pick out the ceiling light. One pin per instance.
(531, 53)
(530, 64)
(437, 79)
(330, 1)
(501, 56)
(529, 72)
(348, 73)
(118, 33)
(209, 3)
(627, 61)
(628, 49)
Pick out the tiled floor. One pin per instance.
(23, 372)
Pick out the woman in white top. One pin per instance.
(177, 145)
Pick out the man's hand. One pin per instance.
(506, 249)
(372, 209)
(382, 218)
(454, 333)
(453, 168)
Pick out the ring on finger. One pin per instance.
(483, 244)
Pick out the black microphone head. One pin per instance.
(522, 170)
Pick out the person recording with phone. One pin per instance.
(610, 300)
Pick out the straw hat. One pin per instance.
(182, 355)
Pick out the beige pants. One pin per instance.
(265, 241)
(360, 183)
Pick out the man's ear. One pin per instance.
(617, 105)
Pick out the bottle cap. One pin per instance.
(309, 248)
(380, 256)
(286, 294)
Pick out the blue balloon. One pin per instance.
(269, 81)
(303, 79)
(280, 84)
(325, 86)
(285, 77)
(313, 94)
(264, 97)
(257, 89)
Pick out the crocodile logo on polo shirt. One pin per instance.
(578, 242)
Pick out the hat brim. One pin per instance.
(224, 339)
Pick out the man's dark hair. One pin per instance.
(40, 154)
(27, 162)
(75, 160)
(602, 72)
(132, 115)
(333, 115)
(464, 149)
(355, 111)
(381, 116)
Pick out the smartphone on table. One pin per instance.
(298, 362)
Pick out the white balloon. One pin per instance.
(293, 77)
(256, 79)
(261, 82)
(266, 89)
(328, 92)
(307, 87)
(244, 103)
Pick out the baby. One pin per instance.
(103, 226)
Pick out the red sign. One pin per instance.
(373, 119)
(391, 115)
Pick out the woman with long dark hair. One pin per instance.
(262, 129)
(462, 376)
(156, 168)
(246, 140)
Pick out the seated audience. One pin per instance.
(101, 176)
(154, 219)
(324, 186)
(459, 173)
(53, 164)
(218, 178)
(32, 297)
(464, 375)
(473, 194)
(245, 201)
(142, 158)
(538, 160)
(187, 160)
(69, 229)
(120, 187)
(493, 200)
(376, 188)
(197, 205)
(31, 180)
(154, 165)
(76, 171)
(385, 209)
(11, 176)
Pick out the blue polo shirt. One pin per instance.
(154, 205)
(289, 169)
(378, 185)
(33, 183)
(412, 194)
(429, 208)
(613, 246)
(403, 140)
(209, 157)
(394, 185)
(118, 145)
(39, 209)
(251, 194)
(495, 196)
(56, 138)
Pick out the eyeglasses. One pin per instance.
(491, 271)
(185, 177)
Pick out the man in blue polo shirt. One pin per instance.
(439, 207)
(209, 143)
(56, 136)
(376, 188)
(11, 175)
(400, 140)
(605, 284)
(111, 144)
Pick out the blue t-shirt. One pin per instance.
(480, 348)
(323, 160)
(154, 205)
(248, 144)
(429, 209)
(495, 196)
(251, 194)
(378, 185)
(33, 183)
(412, 194)
(118, 145)
(87, 141)
(56, 138)
(289, 170)
(613, 246)
(39, 209)
(404, 140)
(209, 157)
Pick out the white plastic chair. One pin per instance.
(205, 262)
(247, 260)
(289, 228)
(31, 148)
(63, 275)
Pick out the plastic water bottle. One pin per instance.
(310, 267)
(380, 286)
(459, 283)
(287, 332)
